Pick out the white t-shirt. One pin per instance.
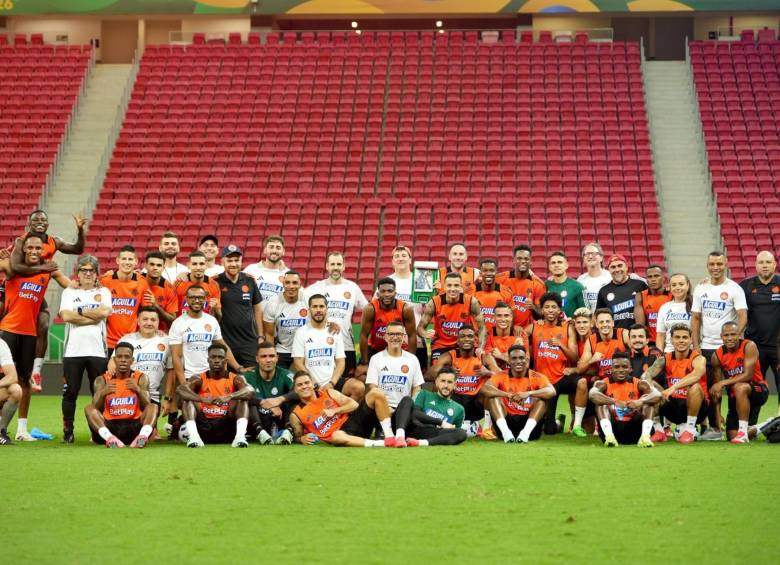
(170, 274)
(5, 354)
(287, 319)
(395, 376)
(269, 281)
(669, 314)
(717, 304)
(319, 350)
(403, 291)
(214, 270)
(85, 341)
(343, 299)
(593, 286)
(195, 335)
(151, 356)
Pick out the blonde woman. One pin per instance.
(678, 311)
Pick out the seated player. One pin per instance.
(121, 411)
(596, 359)
(216, 403)
(473, 372)
(737, 369)
(334, 418)
(642, 353)
(502, 336)
(10, 392)
(271, 382)
(518, 399)
(439, 403)
(625, 405)
(682, 378)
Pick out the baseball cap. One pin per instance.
(208, 237)
(231, 250)
(616, 258)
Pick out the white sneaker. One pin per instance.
(711, 435)
(285, 438)
(24, 436)
(239, 442)
(195, 442)
(264, 438)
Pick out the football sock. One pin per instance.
(374, 443)
(241, 424)
(690, 423)
(606, 426)
(423, 443)
(647, 427)
(21, 426)
(525, 433)
(400, 433)
(506, 433)
(742, 426)
(387, 428)
(579, 414)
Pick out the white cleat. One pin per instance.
(195, 442)
(239, 442)
(24, 436)
(264, 438)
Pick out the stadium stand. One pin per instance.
(39, 87)
(363, 141)
(738, 88)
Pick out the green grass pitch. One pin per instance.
(557, 500)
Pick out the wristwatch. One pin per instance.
(79, 310)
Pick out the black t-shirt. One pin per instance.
(238, 314)
(642, 361)
(620, 298)
(763, 301)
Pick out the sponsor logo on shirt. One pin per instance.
(339, 304)
(270, 287)
(141, 357)
(198, 337)
(393, 380)
(713, 305)
(678, 316)
(122, 401)
(31, 287)
(131, 302)
(292, 322)
(319, 352)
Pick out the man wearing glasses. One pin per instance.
(84, 310)
(595, 276)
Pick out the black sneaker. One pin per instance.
(561, 423)
(67, 436)
(4, 439)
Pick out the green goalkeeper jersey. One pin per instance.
(439, 407)
(280, 384)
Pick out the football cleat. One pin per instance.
(741, 437)
(610, 441)
(285, 438)
(647, 441)
(239, 442)
(264, 438)
(578, 431)
(411, 442)
(658, 437)
(390, 441)
(686, 437)
(195, 442)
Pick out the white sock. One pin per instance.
(742, 426)
(104, 433)
(192, 429)
(647, 427)
(241, 424)
(374, 443)
(657, 425)
(487, 420)
(505, 431)
(146, 431)
(37, 365)
(579, 414)
(690, 423)
(400, 433)
(606, 426)
(21, 426)
(387, 428)
(423, 443)
(525, 433)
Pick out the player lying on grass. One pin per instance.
(121, 411)
(682, 378)
(216, 403)
(517, 398)
(330, 416)
(625, 405)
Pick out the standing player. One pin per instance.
(242, 311)
(169, 247)
(503, 335)
(595, 277)
(450, 312)
(18, 327)
(457, 257)
(625, 406)
(152, 357)
(518, 399)
(762, 294)
(380, 312)
(676, 311)
(216, 403)
(738, 370)
(209, 246)
(128, 289)
(552, 354)
(715, 302)
(488, 293)
(526, 289)
(84, 311)
(283, 315)
(571, 292)
(121, 412)
(10, 392)
(321, 354)
(197, 275)
(271, 383)
(161, 294)
(620, 294)
(649, 301)
(269, 272)
(682, 376)
(38, 224)
(326, 414)
(344, 298)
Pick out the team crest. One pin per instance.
(404, 368)
(207, 327)
(244, 288)
(97, 298)
(160, 347)
(302, 312)
(347, 294)
(330, 341)
(775, 289)
(724, 295)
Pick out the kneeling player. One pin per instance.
(682, 378)
(10, 391)
(737, 361)
(625, 405)
(330, 416)
(520, 398)
(215, 404)
(121, 411)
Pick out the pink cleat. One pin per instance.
(400, 442)
(658, 437)
(411, 442)
(113, 442)
(686, 437)
(390, 441)
(741, 437)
